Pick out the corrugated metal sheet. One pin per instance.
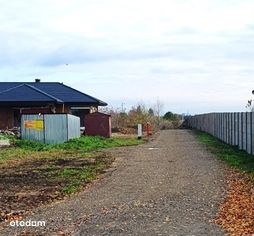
(29, 130)
(73, 126)
(56, 128)
(50, 128)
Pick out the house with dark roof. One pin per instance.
(17, 98)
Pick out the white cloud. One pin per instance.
(195, 55)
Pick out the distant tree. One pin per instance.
(139, 109)
(151, 112)
(249, 106)
(170, 116)
(138, 114)
(122, 118)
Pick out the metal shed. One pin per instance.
(50, 128)
(98, 124)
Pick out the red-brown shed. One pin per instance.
(98, 124)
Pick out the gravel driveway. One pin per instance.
(170, 186)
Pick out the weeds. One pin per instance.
(230, 154)
(84, 143)
(71, 164)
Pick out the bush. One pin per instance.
(166, 124)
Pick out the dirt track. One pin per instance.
(170, 186)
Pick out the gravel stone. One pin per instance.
(169, 186)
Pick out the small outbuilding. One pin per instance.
(50, 128)
(98, 124)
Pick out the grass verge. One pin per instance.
(84, 143)
(236, 212)
(79, 146)
(232, 155)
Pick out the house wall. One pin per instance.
(59, 109)
(6, 118)
(7, 114)
(36, 110)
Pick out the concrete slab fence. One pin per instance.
(235, 128)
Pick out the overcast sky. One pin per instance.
(194, 55)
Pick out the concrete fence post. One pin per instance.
(219, 127)
(249, 129)
(224, 127)
(221, 121)
(240, 132)
(227, 127)
(244, 131)
(252, 134)
(233, 128)
(216, 125)
(236, 128)
(226, 121)
(230, 129)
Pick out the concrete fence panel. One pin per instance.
(235, 128)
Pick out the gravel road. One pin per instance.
(169, 186)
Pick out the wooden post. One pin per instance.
(139, 131)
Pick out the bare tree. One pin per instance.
(250, 106)
(158, 108)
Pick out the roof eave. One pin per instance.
(86, 103)
(103, 104)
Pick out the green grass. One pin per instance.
(75, 177)
(230, 154)
(5, 137)
(84, 143)
(85, 173)
(76, 147)
(72, 164)
(71, 188)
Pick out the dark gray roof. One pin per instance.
(44, 92)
